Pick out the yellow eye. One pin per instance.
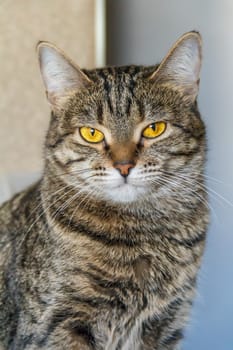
(91, 135)
(154, 130)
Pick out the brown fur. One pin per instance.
(82, 265)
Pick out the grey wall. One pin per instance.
(141, 32)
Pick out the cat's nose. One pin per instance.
(124, 167)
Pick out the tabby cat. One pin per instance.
(103, 252)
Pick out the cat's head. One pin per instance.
(125, 133)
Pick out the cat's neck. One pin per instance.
(65, 206)
(131, 224)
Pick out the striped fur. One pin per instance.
(90, 262)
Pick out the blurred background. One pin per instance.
(117, 32)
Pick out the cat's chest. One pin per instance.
(134, 300)
(123, 326)
(117, 288)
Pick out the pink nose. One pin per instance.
(124, 167)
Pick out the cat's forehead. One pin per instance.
(118, 94)
(116, 73)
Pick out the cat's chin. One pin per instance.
(125, 193)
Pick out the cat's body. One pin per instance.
(103, 252)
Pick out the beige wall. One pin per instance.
(24, 112)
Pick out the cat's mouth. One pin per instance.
(121, 189)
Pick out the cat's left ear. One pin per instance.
(181, 67)
(60, 75)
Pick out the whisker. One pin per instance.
(67, 203)
(74, 171)
(208, 188)
(64, 206)
(200, 186)
(79, 205)
(45, 199)
(211, 178)
(213, 192)
(70, 200)
(46, 209)
(197, 195)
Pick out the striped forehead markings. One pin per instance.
(120, 83)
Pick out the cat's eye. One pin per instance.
(91, 135)
(154, 130)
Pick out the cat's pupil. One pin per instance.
(92, 131)
(153, 127)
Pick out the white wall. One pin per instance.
(141, 32)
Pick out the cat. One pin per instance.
(103, 251)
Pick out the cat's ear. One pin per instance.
(60, 75)
(181, 67)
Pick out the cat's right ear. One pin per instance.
(60, 75)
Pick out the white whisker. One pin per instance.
(82, 203)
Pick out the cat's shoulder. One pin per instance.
(14, 208)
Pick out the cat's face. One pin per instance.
(123, 134)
